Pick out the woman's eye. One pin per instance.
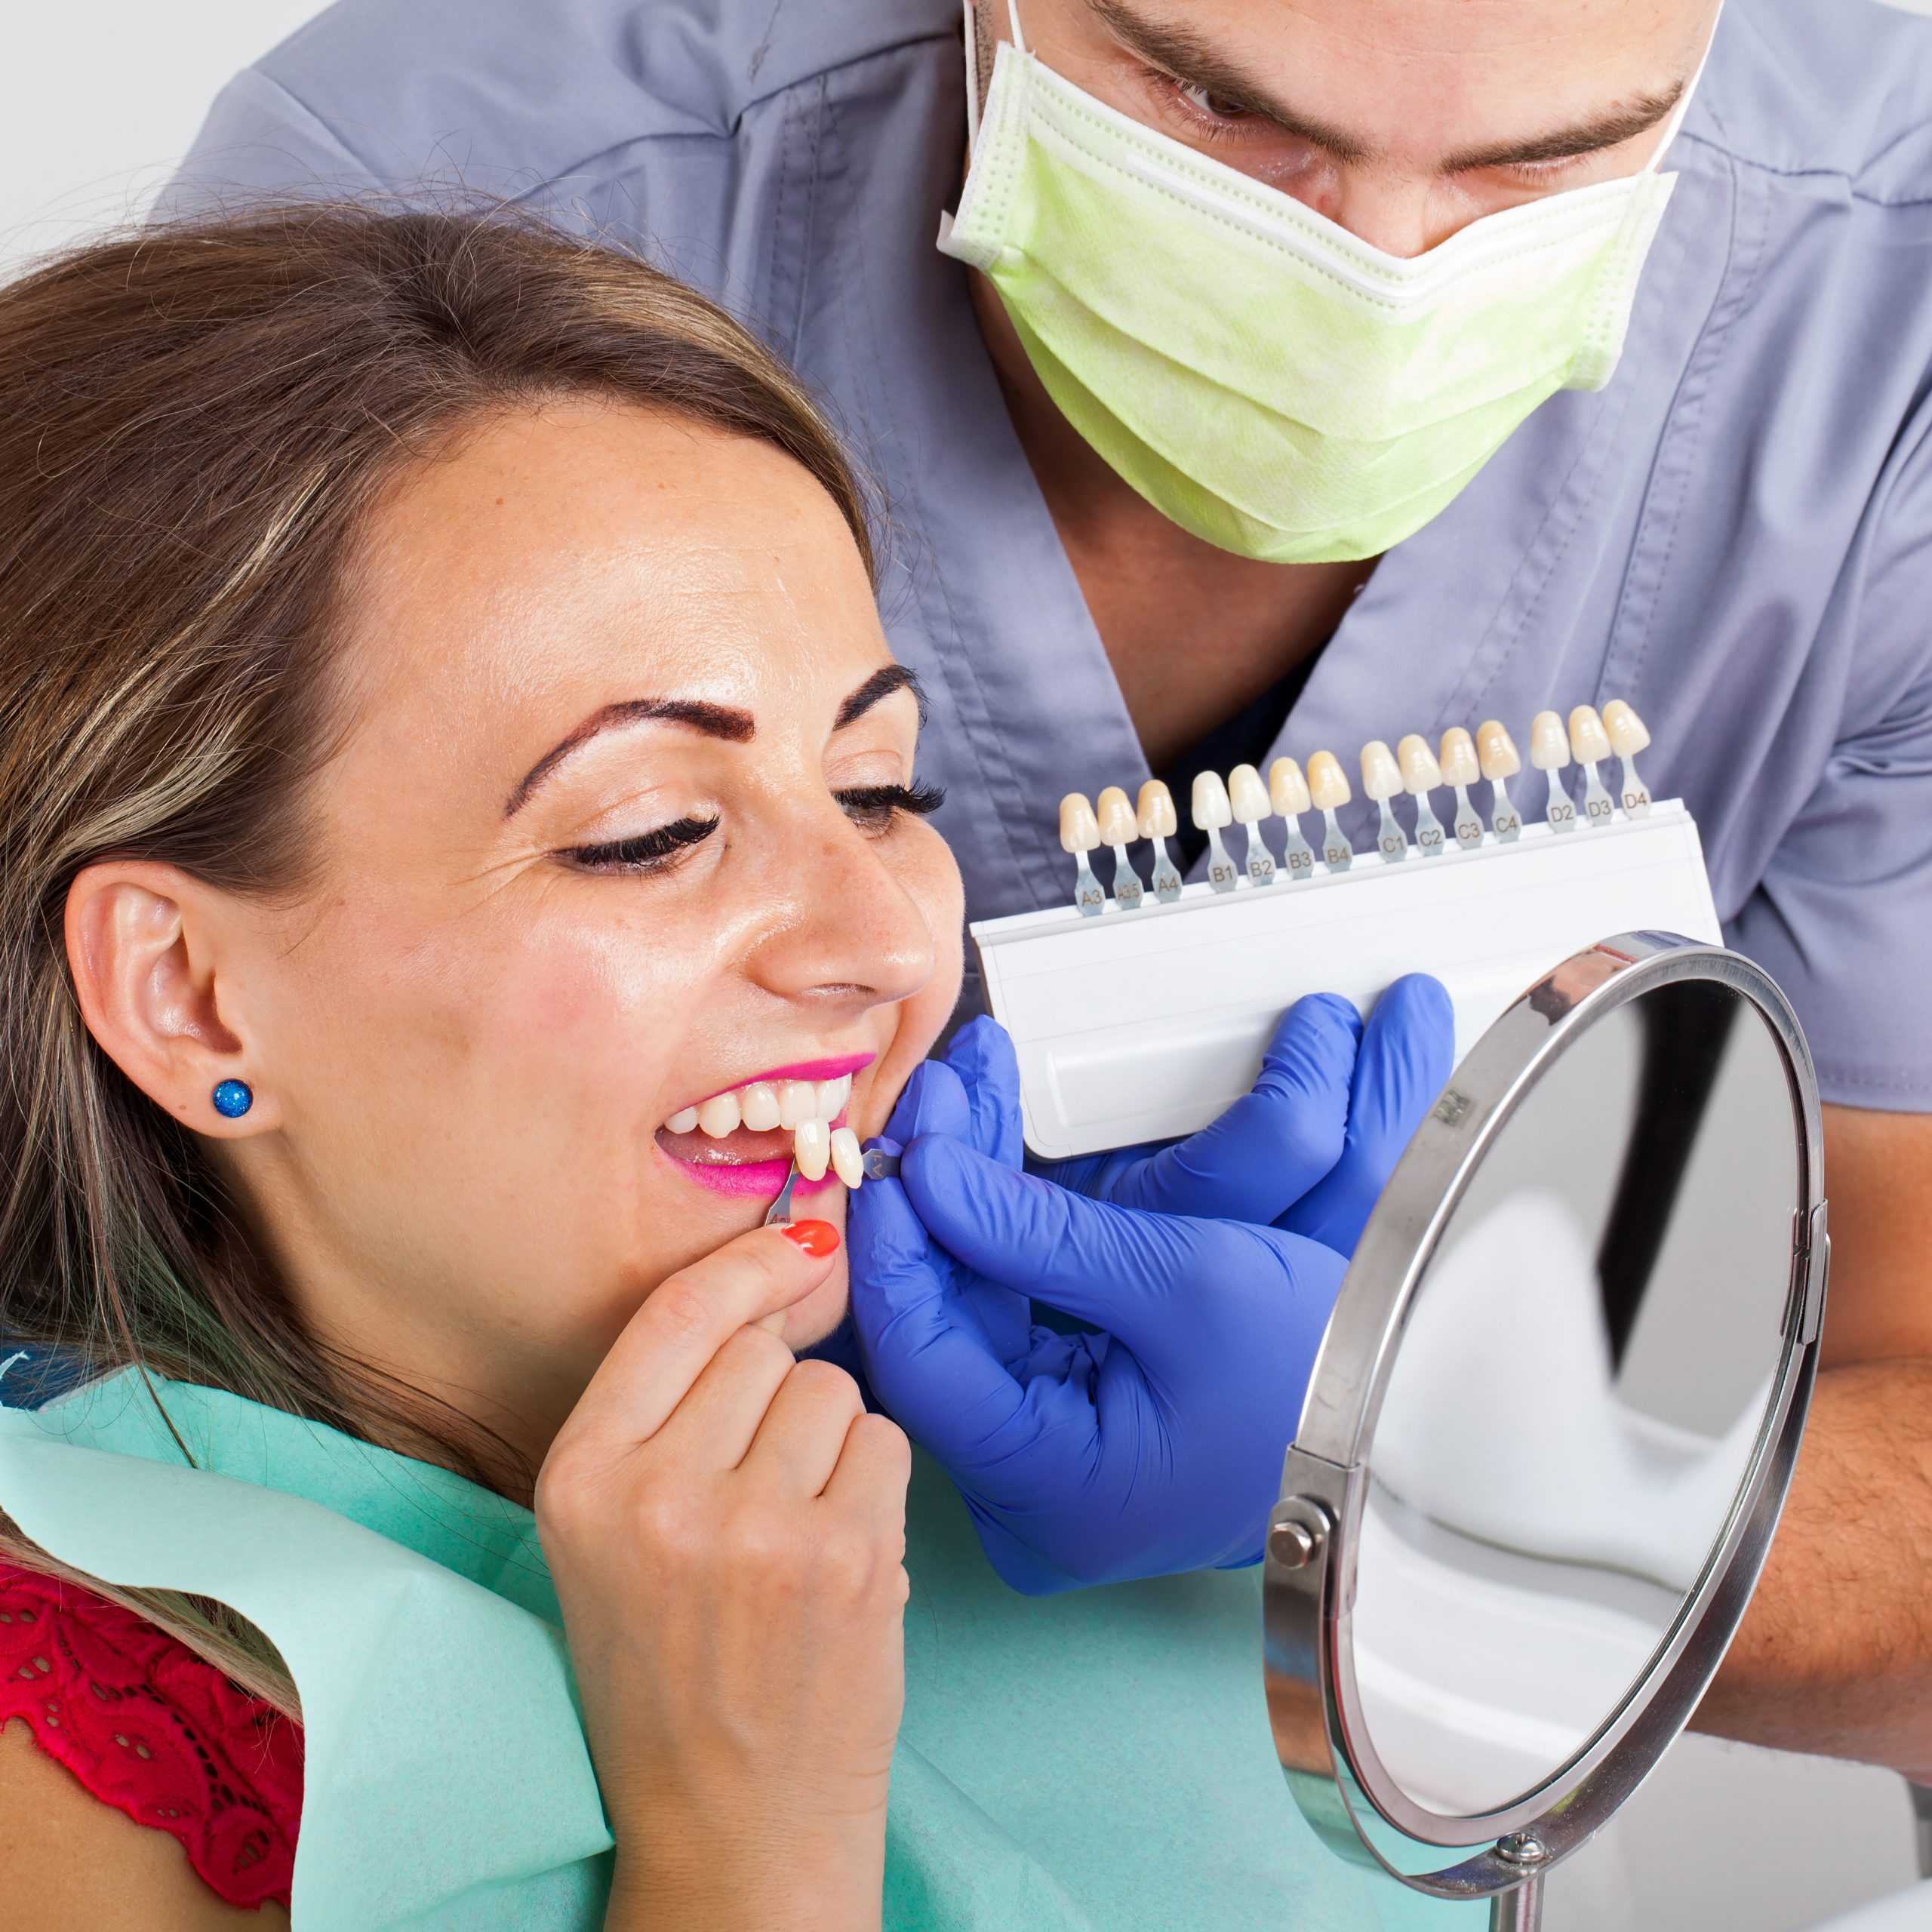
(655, 851)
(873, 808)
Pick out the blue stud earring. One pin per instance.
(233, 1098)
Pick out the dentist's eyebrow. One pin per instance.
(1608, 129)
(876, 690)
(1185, 57)
(714, 721)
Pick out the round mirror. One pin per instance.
(1553, 1419)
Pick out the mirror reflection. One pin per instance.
(1576, 1397)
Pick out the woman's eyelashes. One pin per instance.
(653, 851)
(873, 808)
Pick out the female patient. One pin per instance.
(447, 738)
(449, 747)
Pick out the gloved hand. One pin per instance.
(1154, 1446)
(1309, 1147)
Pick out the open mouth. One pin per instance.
(743, 1140)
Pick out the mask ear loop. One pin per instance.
(973, 63)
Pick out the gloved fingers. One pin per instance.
(1128, 1272)
(1274, 1142)
(927, 1356)
(1408, 1053)
(982, 1055)
(933, 1101)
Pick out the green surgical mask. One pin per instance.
(1263, 377)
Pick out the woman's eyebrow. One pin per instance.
(715, 720)
(879, 686)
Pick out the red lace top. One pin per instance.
(155, 1731)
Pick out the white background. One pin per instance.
(99, 99)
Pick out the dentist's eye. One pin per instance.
(655, 851)
(1213, 106)
(873, 808)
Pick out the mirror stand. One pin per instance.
(1519, 1911)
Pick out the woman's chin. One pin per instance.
(811, 1320)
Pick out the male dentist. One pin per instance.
(1282, 373)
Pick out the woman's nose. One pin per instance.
(847, 928)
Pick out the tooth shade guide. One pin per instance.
(848, 1158)
(1461, 768)
(1628, 735)
(1120, 826)
(1249, 798)
(1420, 775)
(1156, 812)
(1133, 1030)
(811, 1148)
(1287, 792)
(1287, 789)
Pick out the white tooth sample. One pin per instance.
(719, 1115)
(1119, 828)
(1248, 797)
(1501, 762)
(1212, 811)
(1287, 792)
(1421, 774)
(759, 1103)
(831, 1097)
(811, 1148)
(798, 1101)
(1628, 736)
(1591, 744)
(684, 1120)
(1381, 780)
(848, 1158)
(1327, 789)
(1080, 834)
(1159, 822)
(1549, 752)
(1460, 769)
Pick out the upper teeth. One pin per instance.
(808, 1107)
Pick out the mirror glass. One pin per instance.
(1576, 1397)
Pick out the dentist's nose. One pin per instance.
(849, 930)
(1395, 215)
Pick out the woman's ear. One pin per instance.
(146, 947)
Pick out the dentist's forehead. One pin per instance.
(1456, 84)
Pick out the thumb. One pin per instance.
(1117, 1267)
(1274, 1143)
(1407, 1054)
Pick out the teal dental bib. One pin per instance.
(1098, 1762)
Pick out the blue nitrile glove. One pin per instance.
(1153, 1446)
(1309, 1147)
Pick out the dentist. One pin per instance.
(1292, 372)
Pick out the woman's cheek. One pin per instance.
(930, 874)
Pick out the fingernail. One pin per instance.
(818, 1238)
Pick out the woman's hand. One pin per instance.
(726, 1529)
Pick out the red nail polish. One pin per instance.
(818, 1238)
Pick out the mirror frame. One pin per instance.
(1308, 1574)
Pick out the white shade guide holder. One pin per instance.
(1145, 1028)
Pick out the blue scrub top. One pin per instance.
(1735, 534)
